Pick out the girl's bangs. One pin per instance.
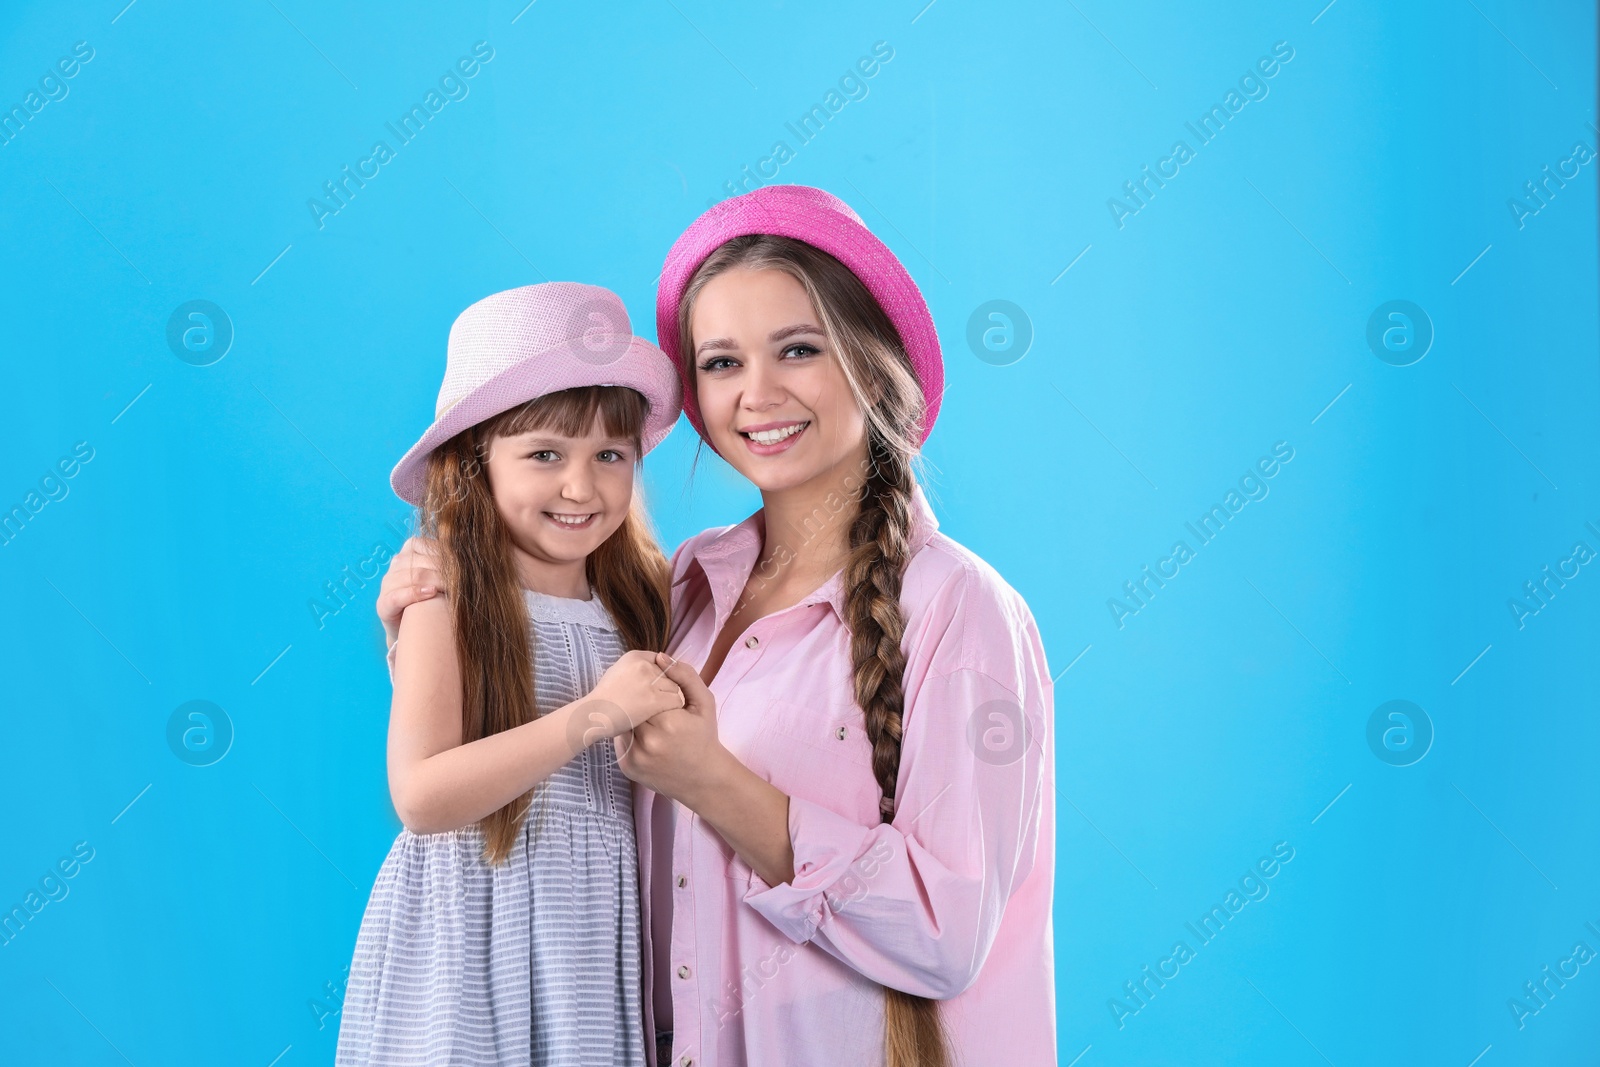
(571, 413)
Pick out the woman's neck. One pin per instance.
(806, 535)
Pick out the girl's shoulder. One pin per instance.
(431, 625)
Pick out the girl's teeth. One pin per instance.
(571, 520)
(772, 437)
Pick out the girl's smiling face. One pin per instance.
(771, 388)
(559, 496)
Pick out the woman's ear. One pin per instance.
(870, 388)
(875, 390)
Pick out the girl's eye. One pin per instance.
(801, 350)
(544, 455)
(716, 363)
(616, 457)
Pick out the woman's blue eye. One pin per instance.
(796, 351)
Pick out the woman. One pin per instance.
(858, 863)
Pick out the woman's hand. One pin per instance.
(678, 755)
(632, 691)
(413, 575)
(677, 752)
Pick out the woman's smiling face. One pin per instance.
(771, 388)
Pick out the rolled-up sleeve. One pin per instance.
(916, 903)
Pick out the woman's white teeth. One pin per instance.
(570, 520)
(772, 437)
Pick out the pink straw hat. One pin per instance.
(826, 222)
(521, 344)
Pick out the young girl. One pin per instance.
(504, 926)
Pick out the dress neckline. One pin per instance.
(547, 608)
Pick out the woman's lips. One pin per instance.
(770, 447)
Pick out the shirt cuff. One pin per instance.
(826, 845)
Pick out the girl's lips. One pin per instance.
(584, 525)
(778, 446)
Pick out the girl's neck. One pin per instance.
(570, 580)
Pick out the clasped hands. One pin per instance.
(658, 712)
(662, 719)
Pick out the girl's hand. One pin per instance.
(413, 575)
(677, 752)
(678, 755)
(632, 691)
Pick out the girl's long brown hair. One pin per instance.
(493, 639)
(886, 388)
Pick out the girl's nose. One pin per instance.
(578, 486)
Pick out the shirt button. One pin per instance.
(752, 641)
(687, 1061)
(683, 971)
(683, 880)
(842, 732)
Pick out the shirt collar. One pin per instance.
(728, 559)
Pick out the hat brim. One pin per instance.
(640, 366)
(822, 220)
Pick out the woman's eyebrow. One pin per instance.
(790, 331)
(717, 344)
(728, 344)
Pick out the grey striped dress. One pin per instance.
(537, 961)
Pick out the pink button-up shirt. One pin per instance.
(950, 901)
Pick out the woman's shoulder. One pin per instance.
(953, 596)
(683, 555)
(945, 569)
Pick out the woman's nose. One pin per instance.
(761, 387)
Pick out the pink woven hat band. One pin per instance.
(823, 220)
(518, 345)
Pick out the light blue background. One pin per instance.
(1227, 715)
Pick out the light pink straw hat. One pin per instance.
(821, 219)
(523, 343)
